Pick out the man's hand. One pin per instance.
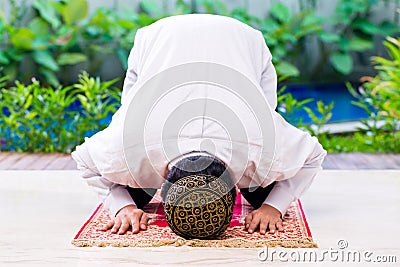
(128, 216)
(265, 217)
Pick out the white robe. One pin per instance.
(200, 38)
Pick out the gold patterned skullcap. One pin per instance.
(199, 206)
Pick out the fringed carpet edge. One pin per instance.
(306, 242)
(302, 242)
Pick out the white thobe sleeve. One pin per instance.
(286, 191)
(289, 189)
(269, 80)
(114, 196)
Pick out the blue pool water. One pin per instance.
(343, 110)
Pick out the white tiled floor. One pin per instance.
(42, 210)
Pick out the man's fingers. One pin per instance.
(143, 221)
(263, 226)
(126, 218)
(279, 226)
(135, 220)
(109, 225)
(272, 227)
(254, 223)
(125, 223)
(135, 224)
(247, 220)
(117, 224)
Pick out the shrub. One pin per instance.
(62, 36)
(44, 119)
(379, 96)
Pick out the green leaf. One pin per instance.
(145, 19)
(93, 31)
(123, 57)
(28, 102)
(359, 44)
(74, 11)
(44, 58)
(286, 69)
(388, 28)
(221, 9)
(39, 27)
(152, 7)
(328, 117)
(31, 115)
(361, 105)
(366, 26)
(22, 38)
(288, 37)
(127, 24)
(269, 25)
(320, 107)
(345, 9)
(280, 12)
(344, 43)
(11, 71)
(47, 12)
(39, 44)
(310, 19)
(279, 52)
(3, 58)
(50, 77)
(305, 101)
(331, 105)
(329, 37)
(2, 24)
(311, 113)
(393, 48)
(342, 62)
(71, 58)
(308, 30)
(83, 100)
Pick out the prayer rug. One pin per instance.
(296, 231)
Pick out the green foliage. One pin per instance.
(40, 119)
(44, 39)
(361, 141)
(342, 62)
(63, 34)
(57, 37)
(289, 107)
(379, 96)
(386, 85)
(318, 121)
(285, 35)
(353, 32)
(98, 100)
(378, 135)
